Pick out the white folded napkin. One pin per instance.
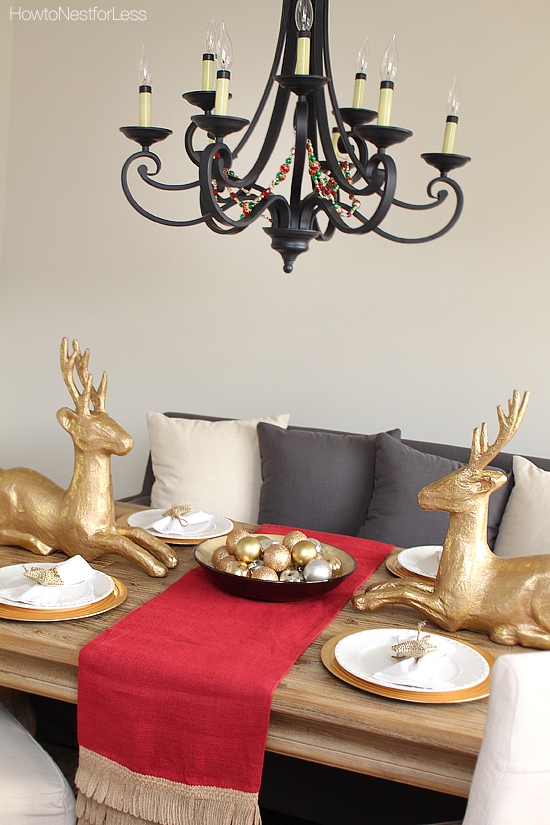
(168, 526)
(77, 586)
(429, 672)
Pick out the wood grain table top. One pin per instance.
(314, 716)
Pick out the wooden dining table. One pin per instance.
(314, 715)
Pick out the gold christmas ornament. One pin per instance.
(248, 549)
(225, 564)
(507, 598)
(303, 551)
(265, 574)
(335, 563)
(41, 517)
(218, 555)
(238, 568)
(291, 575)
(291, 538)
(277, 556)
(234, 536)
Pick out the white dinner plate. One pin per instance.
(211, 529)
(98, 587)
(423, 560)
(368, 655)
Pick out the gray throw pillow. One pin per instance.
(316, 480)
(395, 515)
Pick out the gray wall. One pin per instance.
(365, 334)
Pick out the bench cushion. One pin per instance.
(395, 515)
(525, 526)
(211, 465)
(316, 480)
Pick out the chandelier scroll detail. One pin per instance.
(345, 156)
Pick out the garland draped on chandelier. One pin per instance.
(346, 160)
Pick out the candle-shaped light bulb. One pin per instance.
(209, 56)
(224, 52)
(361, 75)
(145, 89)
(388, 70)
(303, 16)
(453, 105)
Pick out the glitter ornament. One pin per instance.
(218, 555)
(233, 537)
(318, 570)
(277, 557)
(265, 574)
(303, 552)
(248, 549)
(291, 538)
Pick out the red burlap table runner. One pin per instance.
(174, 699)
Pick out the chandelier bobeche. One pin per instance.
(347, 160)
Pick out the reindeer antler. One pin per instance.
(482, 454)
(89, 394)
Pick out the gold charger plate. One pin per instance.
(32, 614)
(393, 565)
(470, 694)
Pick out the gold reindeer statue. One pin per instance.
(40, 516)
(507, 598)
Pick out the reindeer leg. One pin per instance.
(25, 540)
(156, 546)
(416, 594)
(106, 543)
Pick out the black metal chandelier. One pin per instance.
(346, 161)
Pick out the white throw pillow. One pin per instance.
(211, 465)
(525, 526)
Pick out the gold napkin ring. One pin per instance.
(42, 575)
(178, 511)
(414, 648)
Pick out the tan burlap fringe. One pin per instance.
(110, 794)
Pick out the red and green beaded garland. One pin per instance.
(325, 185)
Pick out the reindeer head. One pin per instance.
(90, 427)
(461, 490)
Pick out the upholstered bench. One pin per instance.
(267, 471)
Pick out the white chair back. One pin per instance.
(511, 783)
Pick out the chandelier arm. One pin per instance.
(194, 156)
(300, 154)
(326, 141)
(312, 203)
(272, 135)
(437, 198)
(285, 18)
(328, 232)
(146, 176)
(218, 155)
(448, 226)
